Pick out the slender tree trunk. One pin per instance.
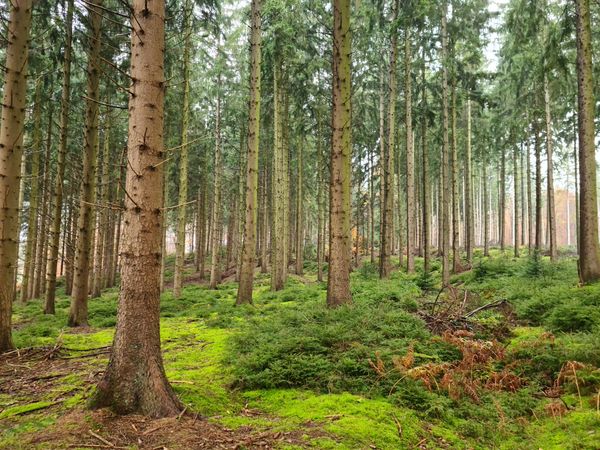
(576, 174)
(320, 199)
(538, 189)
(32, 217)
(11, 149)
(516, 201)
(445, 191)
(589, 256)
(65, 104)
(524, 206)
(215, 269)
(183, 157)
(410, 158)
(385, 266)
(264, 216)
(78, 312)
(135, 379)
(340, 245)
(469, 221)
(530, 230)
(454, 182)
(485, 211)
(382, 159)
(278, 242)
(550, 177)
(425, 174)
(502, 201)
(299, 218)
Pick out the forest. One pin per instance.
(290, 224)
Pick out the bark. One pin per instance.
(183, 156)
(445, 188)
(469, 221)
(410, 159)
(248, 258)
(538, 189)
(550, 177)
(387, 231)
(589, 256)
(78, 314)
(65, 103)
(264, 221)
(516, 202)
(215, 269)
(34, 194)
(425, 174)
(278, 242)
(530, 230)
(502, 200)
(299, 218)
(320, 199)
(135, 380)
(340, 244)
(11, 150)
(486, 212)
(454, 182)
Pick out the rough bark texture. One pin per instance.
(340, 244)
(425, 174)
(516, 201)
(387, 228)
(486, 212)
(65, 103)
(299, 216)
(538, 188)
(78, 312)
(183, 157)
(135, 380)
(320, 200)
(502, 199)
(589, 257)
(11, 150)
(454, 183)
(248, 259)
(410, 158)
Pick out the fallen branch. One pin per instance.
(486, 306)
(101, 439)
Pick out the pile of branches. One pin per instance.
(454, 309)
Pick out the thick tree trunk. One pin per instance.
(32, 216)
(248, 254)
(11, 149)
(589, 257)
(411, 209)
(183, 156)
(550, 177)
(340, 245)
(135, 380)
(387, 232)
(78, 312)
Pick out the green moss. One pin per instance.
(23, 409)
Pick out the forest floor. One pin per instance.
(507, 358)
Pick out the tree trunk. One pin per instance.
(385, 266)
(11, 149)
(425, 174)
(340, 245)
(299, 218)
(538, 188)
(320, 199)
(550, 177)
(410, 159)
(183, 156)
(454, 182)
(516, 201)
(530, 230)
(485, 211)
(278, 242)
(469, 221)
(135, 380)
(445, 191)
(57, 205)
(78, 312)
(32, 217)
(248, 254)
(215, 269)
(502, 200)
(589, 257)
